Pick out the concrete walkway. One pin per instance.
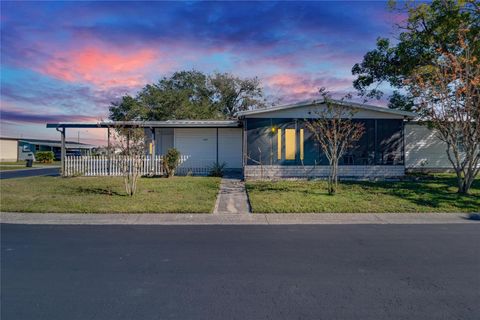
(235, 218)
(232, 197)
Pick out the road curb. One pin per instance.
(233, 219)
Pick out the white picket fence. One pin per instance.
(116, 165)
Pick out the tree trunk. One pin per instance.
(332, 179)
(464, 182)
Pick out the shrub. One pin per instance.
(216, 170)
(171, 161)
(44, 156)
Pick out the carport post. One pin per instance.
(152, 156)
(63, 151)
(108, 151)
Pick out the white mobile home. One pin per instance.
(275, 143)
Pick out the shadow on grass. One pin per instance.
(428, 191)
(432, 192)
(98, 191)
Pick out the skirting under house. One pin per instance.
(307, 172)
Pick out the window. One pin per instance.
(279, 144)
(301, 145)
(290, 145)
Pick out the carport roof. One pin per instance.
(150, 124)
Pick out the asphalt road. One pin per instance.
(11, 174)
(240, 272)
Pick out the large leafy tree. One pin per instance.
(435, 65)
(184, 95)
(190, 95)
(233, 94)
(430, 30)
(127, 109)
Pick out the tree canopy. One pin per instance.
(436, 65)
(430, 30)
(190, 95)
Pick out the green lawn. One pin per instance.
(106, 194)
(12, 163)
(429, 194)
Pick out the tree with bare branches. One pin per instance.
(336, 133)
(130, 140)
(435, 63)
(448, 95)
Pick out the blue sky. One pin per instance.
(66, 61)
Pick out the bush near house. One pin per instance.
(172, 160)
(44, 156)
(217, 169)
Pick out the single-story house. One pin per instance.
(275, 143)
(16, 149)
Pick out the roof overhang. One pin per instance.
(354, 105)
(68, 145)
(150, 124)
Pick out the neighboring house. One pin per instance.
(274, 142)
(15, 149)
(8, 149)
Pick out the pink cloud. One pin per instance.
(290, 83)
(294, 87)
(101, 67)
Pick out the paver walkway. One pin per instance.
(232, 197)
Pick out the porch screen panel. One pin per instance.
(389, 142)
(290, 145)
(260, 148)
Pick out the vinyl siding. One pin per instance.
(230, 147)
(199, 145)
(423, 148)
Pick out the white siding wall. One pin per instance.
(423, 149)
(230, 147)
(8, 150)
(199, 145)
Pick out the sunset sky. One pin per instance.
(66, 61)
